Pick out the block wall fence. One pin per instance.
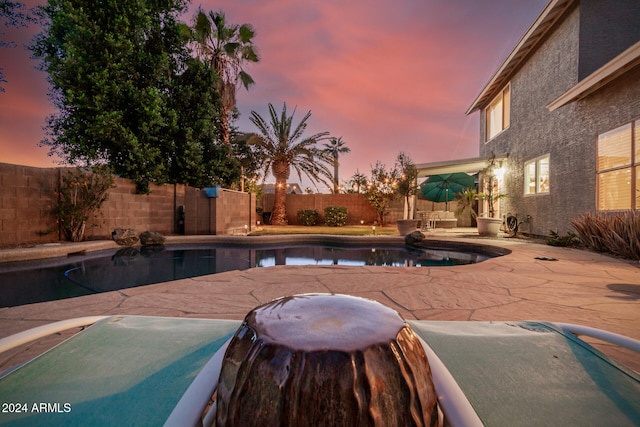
(28, 197)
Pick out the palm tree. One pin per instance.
(334, 148)
(225, 48)
(280, 149)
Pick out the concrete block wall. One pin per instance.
(125, 209)
(228, 213)
(358, 209)
(27, 198)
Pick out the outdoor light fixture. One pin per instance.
(362, 222)
(373, 228)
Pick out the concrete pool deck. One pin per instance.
(577, 287)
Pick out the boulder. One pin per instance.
(413, 238)
(124, 236)
(151, 238)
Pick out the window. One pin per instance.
(536, 176)
(498, 114)
(618, 167)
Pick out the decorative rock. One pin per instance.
(322, 359)
(413, 238)
(151, 238)
(124, 236)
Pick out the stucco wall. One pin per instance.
(567, 134)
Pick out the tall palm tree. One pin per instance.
(334, 148)
(281, 148)
(226, 48)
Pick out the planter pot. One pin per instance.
(406, 226)
(488, 226)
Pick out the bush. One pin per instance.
(616, 233)
(80, 196)
(570, 240)
(335, 216)
(308, 216)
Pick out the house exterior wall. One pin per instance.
(568, 135)
(606, 30)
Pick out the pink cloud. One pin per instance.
(386, 76)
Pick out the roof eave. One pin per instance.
(529, 41)
(471, 166)
(613, 69)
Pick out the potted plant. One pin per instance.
(407, 185)
(490, 225)
(466, 204)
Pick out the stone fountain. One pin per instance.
(325, 359)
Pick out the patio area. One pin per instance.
(534, 282)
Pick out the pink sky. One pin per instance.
(386, 76)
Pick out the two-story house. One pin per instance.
(565, 107)
(564, 110)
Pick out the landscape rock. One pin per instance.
(413, 238)
(124, 236)
(151, 238)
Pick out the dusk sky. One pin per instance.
(386, 76)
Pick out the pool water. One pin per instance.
(103, 271)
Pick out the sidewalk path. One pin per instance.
(578, 287)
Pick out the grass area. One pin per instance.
(347, 230)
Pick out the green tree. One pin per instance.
(382, 189)
(357, 183)
(226, 48)
(195, 156)
(407, 181)
(12, 14)
(334, 148)
(111, 70)
(280, 148)
(80, 196)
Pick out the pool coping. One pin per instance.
(62, 249)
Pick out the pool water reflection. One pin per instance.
(29, 282)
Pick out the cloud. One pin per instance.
(387, 76)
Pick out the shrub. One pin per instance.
(570, 240)
(335, 216)
(308, 216)
(616, 233)
(80, 197)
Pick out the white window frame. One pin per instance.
(632, 167)
(539, 188)
(500, 109)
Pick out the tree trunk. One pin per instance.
(280, 170)
(224, 126)
(336, 184)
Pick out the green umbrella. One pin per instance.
(443, 188)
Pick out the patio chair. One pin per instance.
(131, 370)
(429, 220)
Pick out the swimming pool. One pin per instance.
(108, 270)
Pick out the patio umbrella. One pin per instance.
(443, 188)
